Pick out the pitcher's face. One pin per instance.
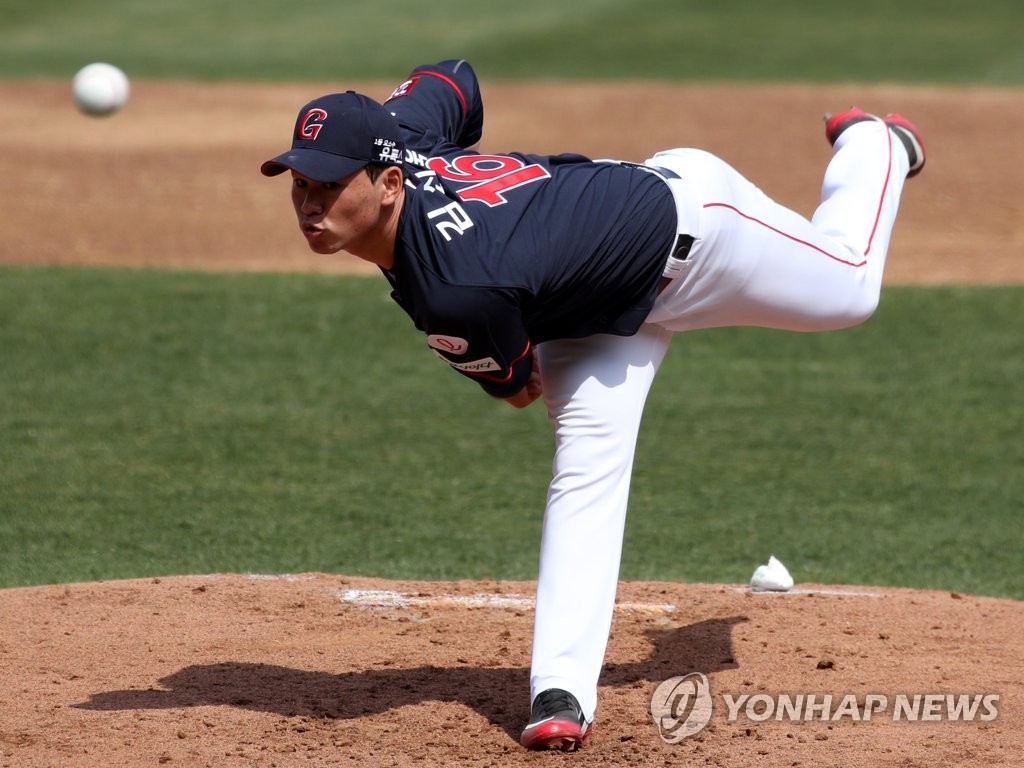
(337, 215)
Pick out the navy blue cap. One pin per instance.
(336, 135)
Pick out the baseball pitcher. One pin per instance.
(562, 277)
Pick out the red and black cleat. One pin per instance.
(902, 128)
(556, 722)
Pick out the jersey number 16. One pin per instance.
(488, 177)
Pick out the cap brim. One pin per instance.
(313, 164)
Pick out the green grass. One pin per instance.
(886, 454)
(805, 40)
(170, 422)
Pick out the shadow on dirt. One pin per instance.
(705, 646)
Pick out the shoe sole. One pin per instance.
(906, 131)
(556, 734)
(903, 129)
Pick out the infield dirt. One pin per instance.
(173, 180)
(327, 670)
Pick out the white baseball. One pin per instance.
(100, 89)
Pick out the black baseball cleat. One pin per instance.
(902, 128)
(907, 133)
(556, 722)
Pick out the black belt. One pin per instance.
(664, 172)
(657, 170)
(681, 248)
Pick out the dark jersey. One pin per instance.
(497, 253)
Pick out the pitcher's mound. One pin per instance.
(313, 669)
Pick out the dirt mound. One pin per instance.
(315, 669)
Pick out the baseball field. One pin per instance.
(247, 520)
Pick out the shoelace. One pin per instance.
(557, 703)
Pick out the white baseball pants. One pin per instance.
(753, 262)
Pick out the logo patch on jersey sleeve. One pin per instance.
(473, 366)
(405, 88)
(453, 345)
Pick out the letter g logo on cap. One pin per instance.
(312, 122)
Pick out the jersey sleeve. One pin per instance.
(439, 107)
(479, 332)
